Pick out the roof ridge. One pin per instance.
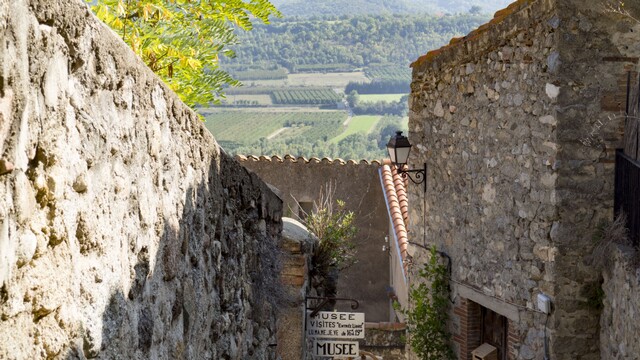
(302, 159)
(398, 220)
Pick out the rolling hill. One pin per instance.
(310, 8)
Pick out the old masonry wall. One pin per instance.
(124, 231)
(518, 123)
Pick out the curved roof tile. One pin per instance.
(302, 159)
(396, 197)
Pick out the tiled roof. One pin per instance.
(395, 191)
(302, 159)
(498, 18)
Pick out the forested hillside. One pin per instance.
(329, 81)
(345, 43)
(309, 8)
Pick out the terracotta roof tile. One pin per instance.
(397, 203)
(315, 160)
(400, 185)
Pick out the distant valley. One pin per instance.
(309, 8)
(329, 85)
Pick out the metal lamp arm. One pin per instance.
(420, 176)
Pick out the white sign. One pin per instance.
(335, 349)
(336, 325)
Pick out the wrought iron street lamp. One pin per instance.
(399, 148)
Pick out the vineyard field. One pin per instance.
(247, 127)
(332, 80)
(262, 90)
(305, 97)
(388, 73)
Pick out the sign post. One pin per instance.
(330, 330)
(336, 325)
(335, 349)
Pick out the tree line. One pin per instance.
(311, 8)
(357, 41)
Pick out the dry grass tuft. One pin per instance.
(606, 236)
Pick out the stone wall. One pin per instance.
(298, 244)
(597, 49)
(124, 231)
(300, 181)
(517, 123)
(384, 340)
(621, 301)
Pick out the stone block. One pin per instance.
(6, 166)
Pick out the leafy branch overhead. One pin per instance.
(182, 40)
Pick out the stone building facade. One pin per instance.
(124, 231)
(518, 123)
(358, 185)
(298, 244)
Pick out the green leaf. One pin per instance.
(181, 40)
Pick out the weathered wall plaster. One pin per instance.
(124, 231)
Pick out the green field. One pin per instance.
(332, 80)
(250, 75)
(305, 97)
(388, 72)
(235, 128)
(262, 99)
(358, 124)
(371, 98)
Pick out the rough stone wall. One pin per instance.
(359, 186)
(504, 118)
(596, 50)
(621, 301)
(483, 120)
(385, 340)
(124, 232)
(298, 244)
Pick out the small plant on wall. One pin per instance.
(427, 316)
(606, 236)
(334, 226)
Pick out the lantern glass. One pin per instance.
(399, 148)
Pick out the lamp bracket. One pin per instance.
(420, 176)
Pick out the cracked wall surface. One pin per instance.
(125, 232)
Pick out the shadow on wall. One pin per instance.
(211, 291)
